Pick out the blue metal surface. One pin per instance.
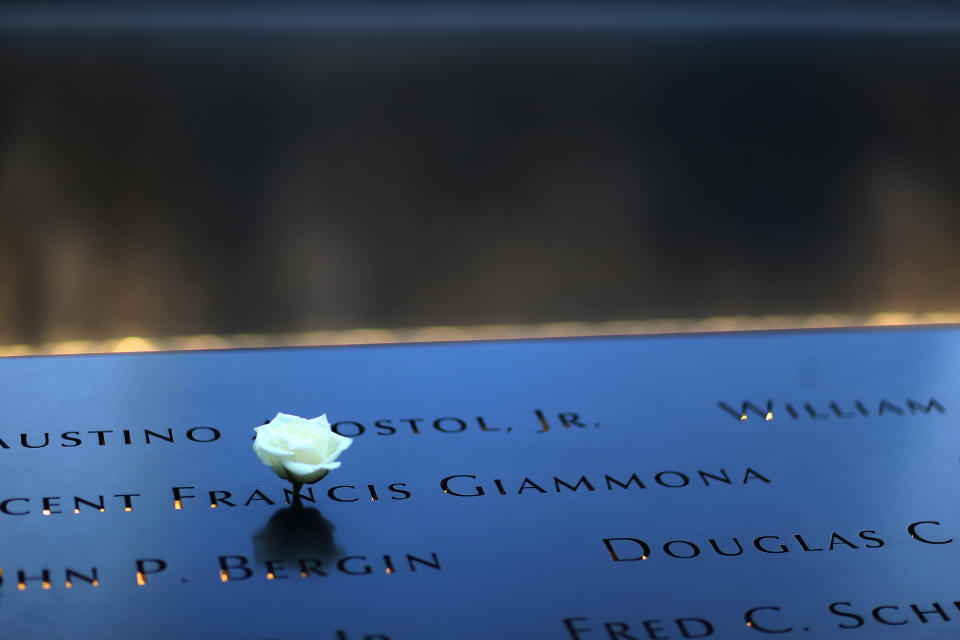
(537, 555)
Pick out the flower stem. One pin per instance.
(296, 495)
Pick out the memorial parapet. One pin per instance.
(797, 484)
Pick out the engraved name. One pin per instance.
(887, 614)
(769, 619)
(460, 485)
(539, 421)
(467, 486)
(230, 568)
(630, 549)
(582, 628)
(768, 410)
(105, 437)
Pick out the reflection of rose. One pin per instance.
(294, 533)
(299, 450)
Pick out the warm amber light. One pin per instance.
(101, 509)
(69, 585)
(96, 582)
(21, 586)
(743, 417)
(303, 574)
(270, 575)
(643, 557)
(769, 416)
(45, 584)
(177, 504)
(141, 579)
(389, 570)
(76, 510)
(224, 576)
(45, 512)
(126, 509)
(213, 506)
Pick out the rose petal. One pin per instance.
(321, 421)
(267, 435)
(267, 458)
(279, 452)
(301, 468)
(342, 445)
(306, 473)
(310, 456)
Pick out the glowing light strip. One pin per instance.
(479, 17)
(134, 344)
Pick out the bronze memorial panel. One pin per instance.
(795, 485)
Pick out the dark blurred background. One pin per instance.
(170, 169)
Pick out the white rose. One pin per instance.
(299, 450)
